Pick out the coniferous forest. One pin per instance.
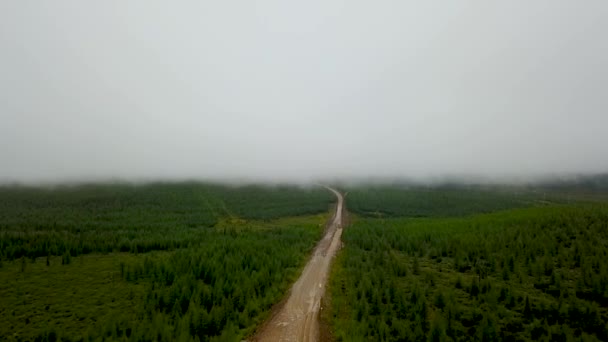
(181, 261)
(203, 262)
(535, 273)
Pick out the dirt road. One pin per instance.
(297, 320)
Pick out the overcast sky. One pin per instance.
(295, 90)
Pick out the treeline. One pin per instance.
(578, 183)
(444, 201)
(526, 274)
(74, 220)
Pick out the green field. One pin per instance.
(182, 261)
(436, 270)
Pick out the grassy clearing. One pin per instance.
(524, 274)
(65, 300)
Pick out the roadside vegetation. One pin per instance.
(182, 261)
(535, 273)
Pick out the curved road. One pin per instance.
(297, 320)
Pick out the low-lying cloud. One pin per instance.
(282, 91)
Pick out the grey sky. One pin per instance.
(298, 90)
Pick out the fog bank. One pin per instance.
(276, 91)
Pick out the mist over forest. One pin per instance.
(323, 170)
